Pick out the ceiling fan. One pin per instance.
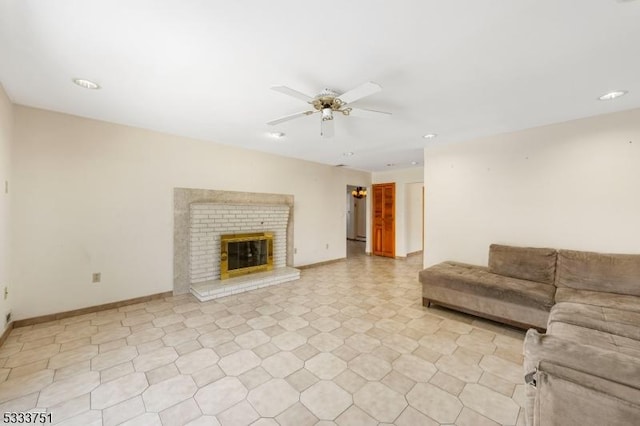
(328, 101)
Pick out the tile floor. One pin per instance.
(348, 344)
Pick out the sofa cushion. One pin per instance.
(610, 273)
(478, 280)
(608, 320)
(525, 263)
(519, 315)
(593, 337)
(598, 298)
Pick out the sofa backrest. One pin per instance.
(525, 263)
(610, 273)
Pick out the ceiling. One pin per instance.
(203, 69)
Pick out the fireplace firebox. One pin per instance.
(242, 254)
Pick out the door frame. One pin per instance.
(373, 218)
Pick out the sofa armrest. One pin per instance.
(579, 383)
(614, 366)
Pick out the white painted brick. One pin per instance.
(208, 221)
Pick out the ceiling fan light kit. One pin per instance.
(327, 102)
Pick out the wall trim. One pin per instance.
(89, 310)
(413, 253)
(7, 331)
(326, 262)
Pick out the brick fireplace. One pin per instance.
(209, 221)
(201, 217)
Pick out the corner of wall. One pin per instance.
(6, 139)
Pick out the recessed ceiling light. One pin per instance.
(87, 84)
(413, 163)
(430, 136)
(390, 164)
(277, 135)
(347, 154)
(612, 95)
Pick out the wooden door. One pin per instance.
(384, 224)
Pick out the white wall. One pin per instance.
(91, 196)
(361, 218)
(402, 177)
(351, 214)
(573, 185)
(6, 134)
(413, 216)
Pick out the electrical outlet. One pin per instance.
(95, 278)
(6, 292)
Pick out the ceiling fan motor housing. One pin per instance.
(327, 99)
(327, 102)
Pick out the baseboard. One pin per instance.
(326, 262)
(89, 310)
(413, 253)
(7, 331)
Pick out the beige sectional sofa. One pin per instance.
(586, 369)
(517, 288)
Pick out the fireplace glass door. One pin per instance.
(242, 254)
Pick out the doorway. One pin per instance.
(356, 202)
(384, 224)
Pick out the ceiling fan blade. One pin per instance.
(366, 89)
(364, 112)
(289, 117)
(291, 92)
(326, 128)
